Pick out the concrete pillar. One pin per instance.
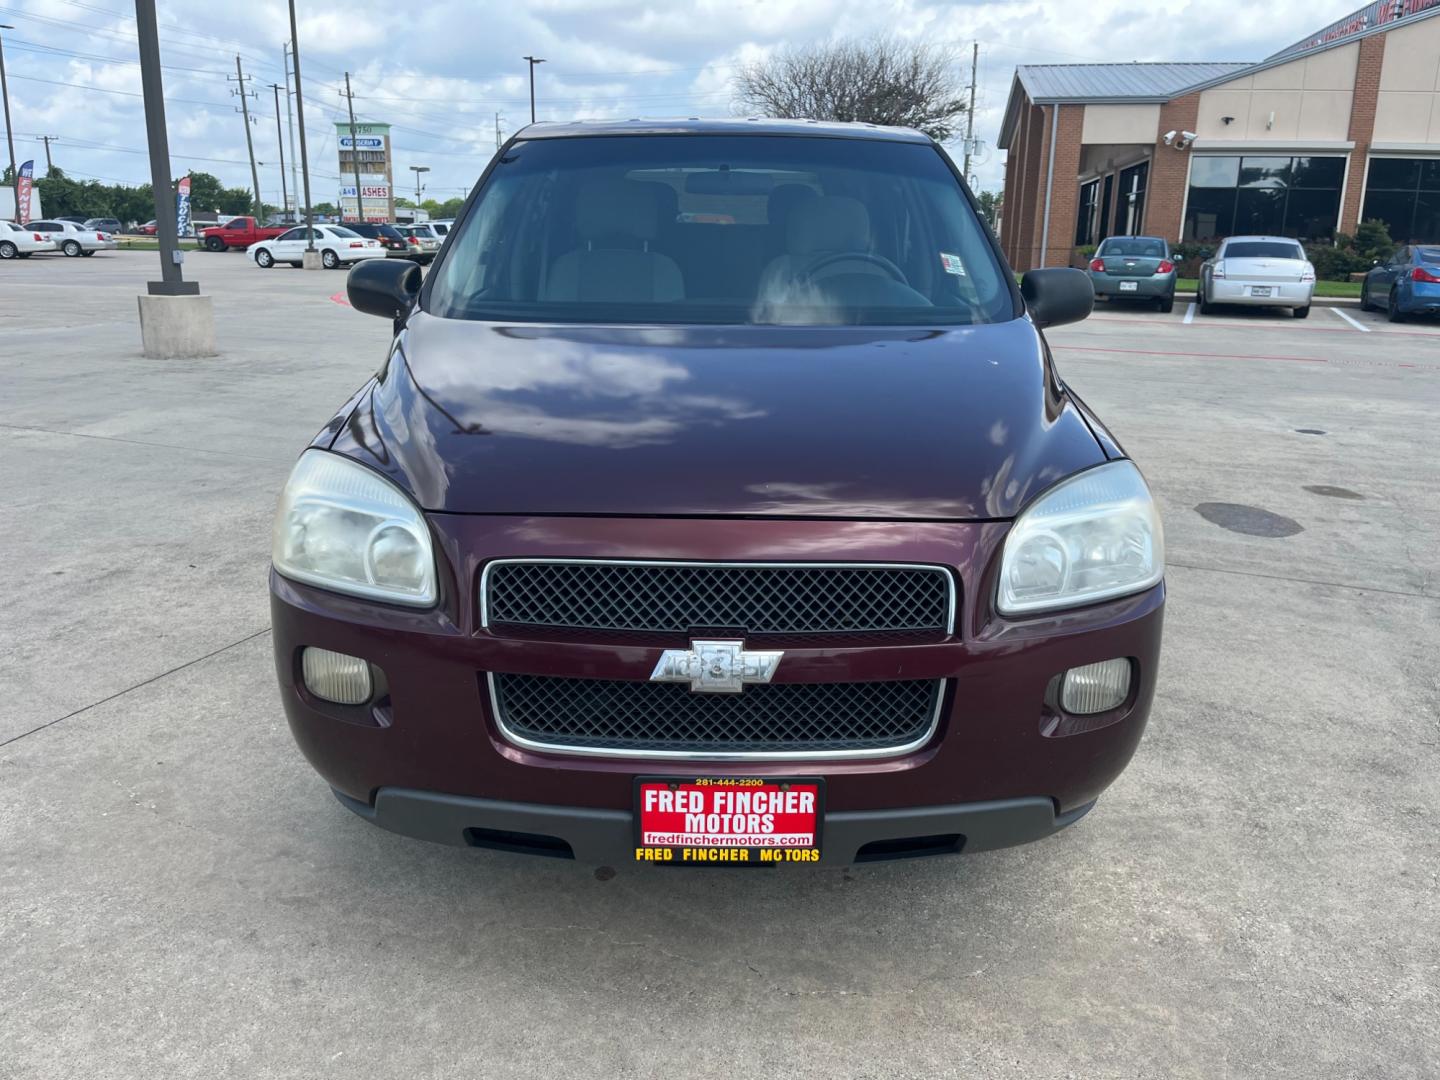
(310, 260)
(172, 327)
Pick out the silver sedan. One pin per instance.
(1258, 271)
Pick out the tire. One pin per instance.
(214, 243)
(87, 254)
(1365, 304)
(297, 265)
(8, 250)
(1207, 306)
(1392, 310)
(1301, 312)
(264, 259)
(26, 254)
(71, 248)
(329, 260)
(1166, 304)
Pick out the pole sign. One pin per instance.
(347, 143)
(25, 181)
(182, 207)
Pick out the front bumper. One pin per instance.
(430, 759)
(599, 836)
(1282, 294)
(1149, 287)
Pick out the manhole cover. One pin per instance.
(1250, 520)
(1332, 492)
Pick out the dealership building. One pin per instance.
(369, 151)
(1342, 126)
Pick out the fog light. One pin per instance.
(336, 677)
(1095, 688)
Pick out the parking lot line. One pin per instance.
(1353, 322)
(1189, 313)
(1200, 355)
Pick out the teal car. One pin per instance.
(1134, 268)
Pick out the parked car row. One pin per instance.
(342, 244)
(1408, 283)
(65, 237)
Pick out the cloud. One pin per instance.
(441, 71)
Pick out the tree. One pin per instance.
(990, 206)
(879, 81)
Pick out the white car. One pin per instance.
(337, 246)
(1258, 271)
(21, 241)
(74, 240)
(442, 226)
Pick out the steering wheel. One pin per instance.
(808, 274)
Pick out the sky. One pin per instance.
(438, 71)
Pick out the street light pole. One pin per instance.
(300, 114)
(417, 170)
(280, 138)
(9, 131)
(172, 282)
(533, 61)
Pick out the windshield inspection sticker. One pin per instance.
(952, 264)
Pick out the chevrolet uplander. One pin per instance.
(718, 500)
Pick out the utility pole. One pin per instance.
(290, 121)
(47, 140)
(497, 131)
(280, 139)
(9, 131)
(240, 79)
(300, 114)
(354, 153)
(172, 281)
(970, 113)
(533, 61)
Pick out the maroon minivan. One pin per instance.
(718, 502)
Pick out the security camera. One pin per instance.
(1186, 138)
(1170, 137)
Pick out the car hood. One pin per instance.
(962, 423)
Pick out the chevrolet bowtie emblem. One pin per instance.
(716, 667)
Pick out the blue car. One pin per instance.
(1408, 284)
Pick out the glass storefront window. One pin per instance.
(1272, 196)
(1405, 194)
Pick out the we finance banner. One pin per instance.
(26, 178)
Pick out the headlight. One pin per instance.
(1089, 538)
(347, 528)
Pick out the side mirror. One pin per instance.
(1057, 296)
(384, 287)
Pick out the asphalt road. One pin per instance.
(181, 896)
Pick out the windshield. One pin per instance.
(1263, 249)
(341, 231)
(1429, 255)
(722, 229)
(1143, 246)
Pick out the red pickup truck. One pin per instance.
(239, 233)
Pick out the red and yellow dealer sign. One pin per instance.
(728, 819)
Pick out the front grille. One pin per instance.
(677, 598)
(619, 716)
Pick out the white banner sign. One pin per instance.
(372, 191)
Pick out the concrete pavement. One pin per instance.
(180, 896)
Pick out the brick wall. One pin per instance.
(1170, 171)
(1065, 195)
(1362, 125)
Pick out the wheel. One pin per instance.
(214, 243)
(87, 254)
(1365, 304)
(8, 250)
(1166, 304)
(1392, 309)
(329, 259)
(26, 254)
(264, 259)
(71, 248)
(1301, 312)
(1207, 306)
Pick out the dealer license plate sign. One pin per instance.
(728, 819)
(1129, 286)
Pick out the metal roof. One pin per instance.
(695, 125)
(1045, 83)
